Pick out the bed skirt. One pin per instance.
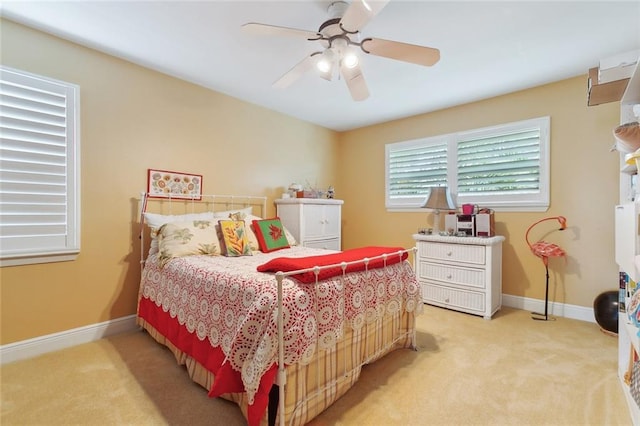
(311, 388)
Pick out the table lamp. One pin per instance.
(439, 199)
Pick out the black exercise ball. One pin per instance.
(605, 308)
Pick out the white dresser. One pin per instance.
(314, 222)
(461, 273)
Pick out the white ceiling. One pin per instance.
(487, 48)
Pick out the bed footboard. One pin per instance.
(325, 268)
(312, 388)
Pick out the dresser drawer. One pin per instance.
(473, 254)
(327, 244)
(451, 274)
(453, 298)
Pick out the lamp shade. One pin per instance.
(439, 199)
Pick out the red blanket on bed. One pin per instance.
(288, 264)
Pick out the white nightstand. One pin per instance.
(314, 222)
(461, 273)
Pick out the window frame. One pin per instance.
(505, 202)
(70, 248)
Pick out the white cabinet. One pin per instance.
(461, 273)
(314, 222)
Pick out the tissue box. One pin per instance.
(306, 194)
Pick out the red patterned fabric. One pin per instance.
(227, 380)
(225, 313)
(288, 264)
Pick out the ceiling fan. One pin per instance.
(339, 38)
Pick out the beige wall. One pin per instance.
(133, 119)
(584, 188)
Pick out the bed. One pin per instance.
(282, 332)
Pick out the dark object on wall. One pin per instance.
(605, 308)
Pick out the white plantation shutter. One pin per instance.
(414, 167)
(39, 186)
(504, 167)
(500, 164)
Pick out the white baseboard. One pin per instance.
(53, 342)
(553, 308)
(56, 341)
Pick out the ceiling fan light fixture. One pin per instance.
(350, 59)
(324, 65)
(325, 62)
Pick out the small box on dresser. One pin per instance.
(461, 273)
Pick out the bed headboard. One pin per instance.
(205, 203)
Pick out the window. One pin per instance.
(504, 167)
(39, 169)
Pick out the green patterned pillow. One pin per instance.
(179, 239)
(270, 234)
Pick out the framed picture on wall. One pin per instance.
(168, 184)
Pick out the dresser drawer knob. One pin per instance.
(449, 253)
(449, 276)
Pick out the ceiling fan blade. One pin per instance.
(264, 29)
(355, 82)
(406, 52)
(296, 72)
(360, 12)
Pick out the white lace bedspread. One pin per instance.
(225, 300)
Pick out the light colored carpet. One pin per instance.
(467, 371)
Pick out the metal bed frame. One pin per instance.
(231, 202)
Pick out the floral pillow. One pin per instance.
(154, 221)
(270, 234)
(247, 218)
(234, 238)
(193, 237)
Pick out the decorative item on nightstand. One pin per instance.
(293, 189)
(439, 199)
(330, 192)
